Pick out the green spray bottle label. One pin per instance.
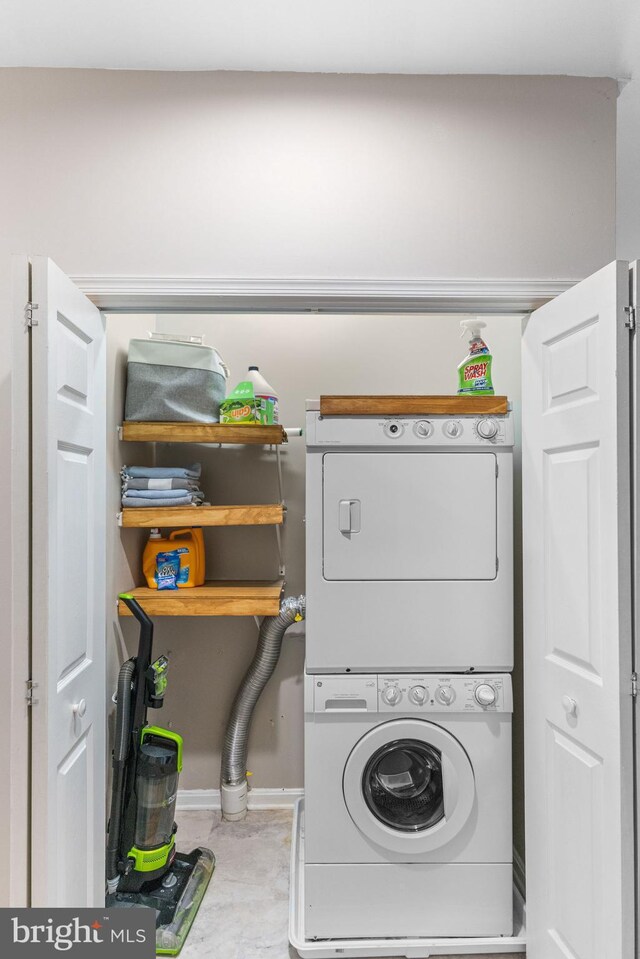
(474, 373)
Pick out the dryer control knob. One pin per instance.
(391, 695)
(485, 694)
(487, 429)
(423, 429)
(418, 695)
(445, 695)
(393, 429)
(452, 429)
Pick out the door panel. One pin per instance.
(412, 516)
(575, 772)
(68, 570)
(572, 516)
(577, 618)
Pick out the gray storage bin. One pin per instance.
(174, 381)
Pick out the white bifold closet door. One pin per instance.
(576, 412)
(68, 589)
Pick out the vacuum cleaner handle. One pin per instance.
(136, 610)
(143, 695)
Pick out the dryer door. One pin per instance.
(410, 516)
(409, 786)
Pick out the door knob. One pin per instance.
(570, 706)
(79, 709)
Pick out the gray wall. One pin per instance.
(253, 175)
(628, 147)
(302, 356)
(235, 174)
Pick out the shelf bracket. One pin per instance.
(279, 468)
(281, 567)
(119, 518)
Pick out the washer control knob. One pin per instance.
(423, 429)
(445, 695)
(485, 694)
(452, 429)
(391, 695)
(487, 429)
(418, 695)
(393, 429)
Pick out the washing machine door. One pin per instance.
(409, 786)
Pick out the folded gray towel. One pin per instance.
(174, 482)
(155, 494)
(135, 502)
(162, 472)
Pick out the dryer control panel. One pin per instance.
(415, 432)
(413, 693)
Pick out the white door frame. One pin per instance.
(157, 294)
(15, 584)
(198, 294)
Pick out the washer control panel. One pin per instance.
(450, 432)
(413, 693)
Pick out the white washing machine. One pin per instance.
(409, 543)
(407, 806)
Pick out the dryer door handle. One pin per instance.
(349, 516)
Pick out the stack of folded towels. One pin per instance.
(161, 486)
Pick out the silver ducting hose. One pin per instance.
(234, 754)
(120, 752)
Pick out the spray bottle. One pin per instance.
(474, 373)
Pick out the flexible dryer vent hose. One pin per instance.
(234, 754)
(120, 753)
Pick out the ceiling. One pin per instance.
(580, 37)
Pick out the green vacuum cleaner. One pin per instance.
(143, 866)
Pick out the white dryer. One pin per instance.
(409, 543)
(407, 806)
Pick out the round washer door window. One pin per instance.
(409, 786)
(402, 785)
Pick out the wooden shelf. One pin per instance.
(217, 598)
(203, 433)
(270, 514)
(412, 405)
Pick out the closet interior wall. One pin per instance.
(302, 355)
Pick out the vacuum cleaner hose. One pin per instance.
(234, 754)
(120, 752)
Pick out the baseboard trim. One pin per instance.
(519, 873)
(193, 799)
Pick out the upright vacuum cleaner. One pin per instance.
(143, 867)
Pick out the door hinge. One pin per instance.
(30, 688)
(634, 684)
(497, 468)
(630, 321)
(29, 311)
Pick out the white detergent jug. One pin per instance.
(266, 394)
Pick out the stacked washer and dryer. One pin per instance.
(408, 700)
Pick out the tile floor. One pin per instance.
(245, 912)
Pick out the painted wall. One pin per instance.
(302, 356)
(237, 174)
(254, 175)
(628, 144)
